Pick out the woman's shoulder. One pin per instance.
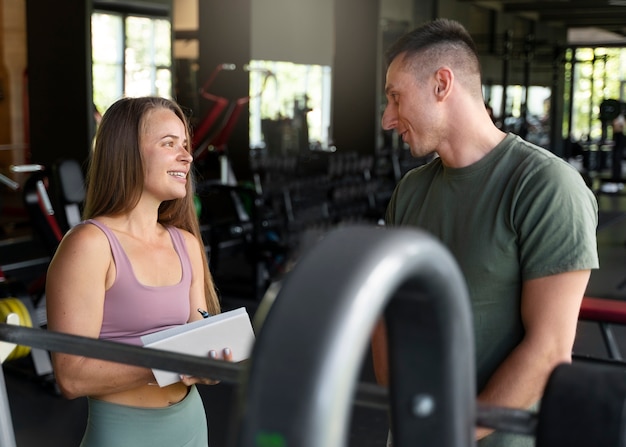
(83, 246)
(191, 242)
(185, 234)
(85, 235)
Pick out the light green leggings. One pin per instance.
(181, 425)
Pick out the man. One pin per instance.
(520, 221)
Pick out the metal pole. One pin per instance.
(592, 82)
(553, 114)
(122, 353)
(367, 394)
(506, 64)
(7, 435)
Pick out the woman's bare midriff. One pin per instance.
(148, 396)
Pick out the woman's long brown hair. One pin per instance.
(115, 176)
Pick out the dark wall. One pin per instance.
(60, 92)
(60, 89)
(224, 37)
(355, 118)
(59, 79)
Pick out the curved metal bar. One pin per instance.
(511, 420)
(308, 354)
(318, 333)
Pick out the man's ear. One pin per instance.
(444, 79)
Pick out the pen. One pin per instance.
(204, 313)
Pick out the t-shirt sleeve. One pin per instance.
(556, 217)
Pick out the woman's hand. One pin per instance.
(227, 356)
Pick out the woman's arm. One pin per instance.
(77, 278)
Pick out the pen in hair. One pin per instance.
(204, 313)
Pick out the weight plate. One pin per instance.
(610, 109)
(583, 405)
(14, 305)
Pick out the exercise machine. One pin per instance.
(213, 131)
(300, 383)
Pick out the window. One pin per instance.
(132, 56)
(594, 75)
(533, 125)
(289, 88)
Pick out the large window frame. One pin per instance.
(131, 55)
(291, 87)
(593, 74)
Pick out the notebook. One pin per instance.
(230, 329)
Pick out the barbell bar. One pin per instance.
(369, 395)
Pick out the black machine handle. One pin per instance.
(308, 354)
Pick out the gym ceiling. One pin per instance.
(608, 15)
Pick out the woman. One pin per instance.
(136, 265)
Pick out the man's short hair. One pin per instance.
(438, 38)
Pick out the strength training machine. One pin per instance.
(321, 320)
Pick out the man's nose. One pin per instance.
(389, 119)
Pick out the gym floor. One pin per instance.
(42, 417)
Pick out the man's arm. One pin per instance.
(380, 356)
(549, 307)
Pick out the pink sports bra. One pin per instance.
(132, 309)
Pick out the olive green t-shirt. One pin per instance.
(518, 213)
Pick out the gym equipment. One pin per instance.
(12, 184)
(6, 349)
(366, 394)
(7, 435)
(235, 231)
(610, 109)
(49, 226)
(9, 183)
(605, 312)
(214, 130)
(320, 322)
(583, 406)
(201, 132)
(224, 221)
(336, 292)
(67, 186)
(28, 316)
(53, 199)
(13, 306)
